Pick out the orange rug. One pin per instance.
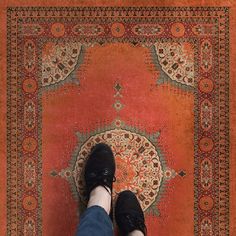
(151, 81)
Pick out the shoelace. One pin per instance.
(101, 180)
(107, 188)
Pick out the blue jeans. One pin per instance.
(95, 222)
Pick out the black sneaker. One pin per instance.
(99, 168)
(129, 214)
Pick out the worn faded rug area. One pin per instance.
(152, 82)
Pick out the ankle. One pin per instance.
(100, 190)
(100, 196)
(136, 233)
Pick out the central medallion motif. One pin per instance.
(140, 164)
(137, 162)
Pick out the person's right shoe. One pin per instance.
(129, 214)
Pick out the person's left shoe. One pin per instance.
(100, 168)
(129, 214)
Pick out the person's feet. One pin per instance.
(99, 176)
(129, 214)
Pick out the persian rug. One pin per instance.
(152, 82)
